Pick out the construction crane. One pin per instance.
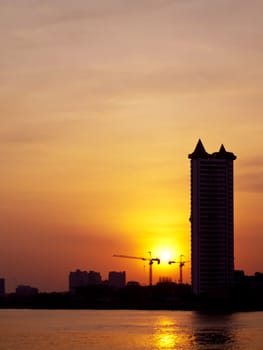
(181, 265)
(150, 259)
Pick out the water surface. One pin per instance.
(129, 330)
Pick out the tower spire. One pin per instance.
(223, 154)
(199, 151)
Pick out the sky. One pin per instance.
(100, 104)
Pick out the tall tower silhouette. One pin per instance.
(212, 227)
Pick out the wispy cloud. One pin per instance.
(250, 182)
(250, 174)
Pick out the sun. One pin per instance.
(165, 256)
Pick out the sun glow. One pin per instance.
(165, 256)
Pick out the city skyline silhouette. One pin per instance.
(101, 102)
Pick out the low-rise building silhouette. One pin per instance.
(94, 278)
(79, 279)
(26, 291)
(117, 279)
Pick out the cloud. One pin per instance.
(52, 47)
(251, 182)
(249, 174)
(58, 12)
(23, 135)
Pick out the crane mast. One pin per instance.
(181, 265)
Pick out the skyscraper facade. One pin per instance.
(212, 226)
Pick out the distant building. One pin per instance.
(94, 278)
(165, 279)
(239, 276)
(26, 291)
(133, 284)
(117, 279)
(2, 287)
(80, 278)
(212, 232)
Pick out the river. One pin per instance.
(129, 330)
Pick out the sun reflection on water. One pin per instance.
(166, 336)
(166, 341)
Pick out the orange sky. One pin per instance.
(100, 104)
